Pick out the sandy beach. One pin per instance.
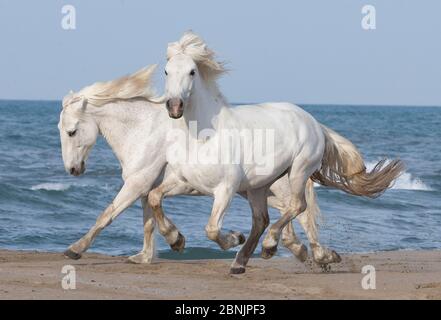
(399, 275)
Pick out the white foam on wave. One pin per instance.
(51, 186)
(407, 182)
(404, 182)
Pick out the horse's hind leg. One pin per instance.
(279, 199)
(320, 254)
(298, 177)
(307, 220)
(148, 250)
(259, 208)
(293, 244)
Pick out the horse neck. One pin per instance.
(114, 123)
(206, 105)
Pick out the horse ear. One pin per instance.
(80, 104)
(83, 103)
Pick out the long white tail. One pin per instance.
(312, 209)
(343, 168)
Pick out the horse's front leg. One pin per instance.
(222, 199)
(133, 188)
(259, 208)
(170, 186)
(148, 250)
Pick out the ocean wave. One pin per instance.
(404, 182)
(407, 182)
(51, 186)
(58, 186)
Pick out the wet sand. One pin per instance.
(399, 275)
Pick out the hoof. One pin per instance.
(302, 254)
(72, 255)
(240, 237)
(139, 258)
(336, 257)
(132, 261)
(179, 245)
(330, 257)
(237, 270)
(268, 253)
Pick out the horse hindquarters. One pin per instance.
(302, 168)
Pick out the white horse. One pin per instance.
(301, 148)
(124, 111)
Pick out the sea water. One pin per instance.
(43, 208)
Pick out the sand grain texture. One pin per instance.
(400, 275)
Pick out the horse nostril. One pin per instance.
(181, 103)
(167, 103)
(72, 170)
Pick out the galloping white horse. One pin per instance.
(301, 148)
(135, 127)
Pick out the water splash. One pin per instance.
(404, 182)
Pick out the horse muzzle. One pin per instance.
(175, 108)
(76, 171)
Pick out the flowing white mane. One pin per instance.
(136, 85)
(192, 45)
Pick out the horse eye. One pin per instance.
(166, 72)
(71, 133)
(192, 72)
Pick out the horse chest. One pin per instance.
(204, 178)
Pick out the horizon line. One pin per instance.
(297, 103)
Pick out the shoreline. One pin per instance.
(403, 274)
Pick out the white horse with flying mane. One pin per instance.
(126, 114)
(298, 147)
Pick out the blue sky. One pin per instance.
(300, 51)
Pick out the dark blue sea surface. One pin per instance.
(43, 208)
